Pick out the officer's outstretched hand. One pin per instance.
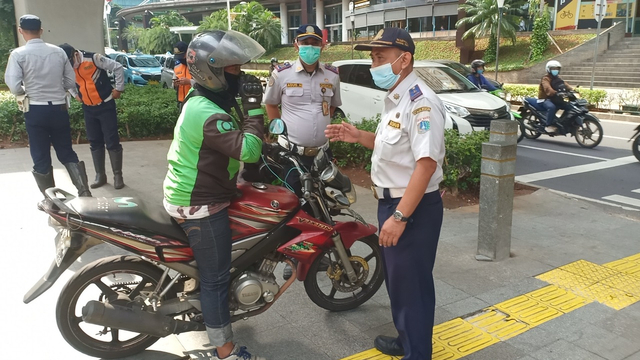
(342, 132)
(250, 91)
(391, 231)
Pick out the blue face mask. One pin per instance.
(383, 75)
(555, 72)
(309, 54)
(480, 71)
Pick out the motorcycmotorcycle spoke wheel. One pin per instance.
(115, 280)
(590, 134)
(328, 285)
(528, 125)
(636, 147)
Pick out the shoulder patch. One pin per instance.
(421, 109)
(333, 69)
(415, 92)
(283, 67)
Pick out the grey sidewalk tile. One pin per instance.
(517, 288)
(606, 344)
(284, 342)
(625, 323)
(442, 315)
(635, 356)
(336, 336)
(593, 313)
(563, 350)
(497, 351)
(447, 294)
(386, 329)
(566, 327)
(532, 340)
(368, 315)
(466, 306)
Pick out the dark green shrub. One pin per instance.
(354, 154)
(461, 168)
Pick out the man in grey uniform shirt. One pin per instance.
(43, 73)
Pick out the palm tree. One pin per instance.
(215, 21)
(132, 34)
(267, 31)
(483, 15)
(171, 18)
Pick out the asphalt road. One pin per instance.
(608, 173)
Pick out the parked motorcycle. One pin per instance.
(516, 115)
(120, 305)
(575, 121)
(635, 147)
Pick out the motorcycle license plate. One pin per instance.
(63, 241)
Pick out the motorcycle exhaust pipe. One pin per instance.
(136, 320)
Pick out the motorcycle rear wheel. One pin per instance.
(107, 277)
(636, 147)
(528, 125)
(321, 289)
(590, 134)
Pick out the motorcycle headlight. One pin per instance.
(577, 95)
(457, 110)
(329, 173)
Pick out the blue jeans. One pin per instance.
(49, 125)
(210, 240)
(547, 106)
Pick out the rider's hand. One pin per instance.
(342, 132)
(250, 91)
(391, 231)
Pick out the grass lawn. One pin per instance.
(512, 57)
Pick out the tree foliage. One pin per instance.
(158, 39)
(482, 16)
(539, 38)
(251, 19)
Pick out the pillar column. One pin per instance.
(57, 29)
(320, 13)
(346, 23)
(284, 22)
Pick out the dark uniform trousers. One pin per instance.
(49, 125)
(409, 273)
(101, 122)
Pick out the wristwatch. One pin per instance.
(399, 216)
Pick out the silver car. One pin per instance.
(166, 75)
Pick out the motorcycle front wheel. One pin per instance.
(331, 289)
(528, 125)
(590, 134)
(103, 280)
(636, 147)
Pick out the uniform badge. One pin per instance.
(272, 81)
(393, 124)
(421, 109)
(396, 96)
(415, 92)
(284, 66)
(397, 115)
(294, 85)
(423, 124)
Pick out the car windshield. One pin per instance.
(459, 68)
(444, 79)
(144, 62)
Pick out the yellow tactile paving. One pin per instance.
(615, 284)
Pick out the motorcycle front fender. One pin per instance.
(77, 248)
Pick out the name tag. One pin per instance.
(292, 85)
(393, 124)
(327, 86)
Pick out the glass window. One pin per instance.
(344, 73)
(444, 80)
(360, 75)
(144, 62)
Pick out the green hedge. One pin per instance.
(596, 97)
(142, 112)
(461, 168)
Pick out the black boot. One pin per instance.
(389, 345)
(44, 181)
(116, 166)
(98, 163)
(78, 176)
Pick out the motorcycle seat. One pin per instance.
(128, 214)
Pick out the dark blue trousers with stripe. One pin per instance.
(408, 273)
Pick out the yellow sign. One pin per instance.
(615, 9)
(566, 14)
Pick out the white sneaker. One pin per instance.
(238, 353)
(551, 129)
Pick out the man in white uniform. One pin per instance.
(406, 168)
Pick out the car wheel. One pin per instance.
(338, 114)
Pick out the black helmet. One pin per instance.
(274, 60)
(210, 52)
(477, 63)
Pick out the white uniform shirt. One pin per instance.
(40, 70)
(411, 128)
(301, 96)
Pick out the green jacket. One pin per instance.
(205, 154)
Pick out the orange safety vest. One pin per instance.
(93, 83)
(181, 71)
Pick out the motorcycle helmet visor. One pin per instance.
(227, 48)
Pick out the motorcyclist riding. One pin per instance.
(274, 62)
(476, 77)
(550, 94)
(204, 159)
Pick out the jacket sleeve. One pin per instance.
(106, 63)
(221, 133)
(13, 75)
(546, 86)
(488, 85)
(69, 75)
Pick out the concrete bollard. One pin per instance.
(496, 191)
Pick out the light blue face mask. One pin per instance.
(555, 72)
(309, 54)
(383, 75)
(480, 71)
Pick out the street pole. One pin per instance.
(498, 41)
(108, 32)
(229, 15)
(352, 17)
(433, 17)
(600, 9)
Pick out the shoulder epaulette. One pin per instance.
(283, 67)
(415, 92)
(333, 69)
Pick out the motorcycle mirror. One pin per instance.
(278, 127)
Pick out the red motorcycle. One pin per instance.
(120, 305)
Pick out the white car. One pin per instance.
(468, 108)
